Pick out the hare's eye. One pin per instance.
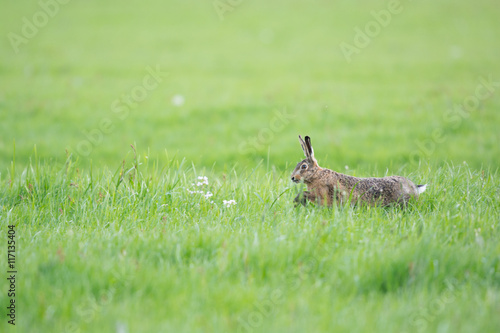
(304, 166)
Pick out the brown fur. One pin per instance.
(327, 186)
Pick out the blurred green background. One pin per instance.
(228, 71)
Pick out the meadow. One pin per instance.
(126, 128)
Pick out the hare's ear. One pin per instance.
(304, 147)
(309, 148)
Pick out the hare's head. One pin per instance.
(306, 168)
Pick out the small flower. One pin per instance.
(229, 203)
(204, 181)
(208, 195)
(347, 167)
(196, 192)
(178, 100)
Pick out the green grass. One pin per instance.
(137, 249)
(114, 241)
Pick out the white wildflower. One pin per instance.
(178, 100)
(229, 203)
(196, 192)
(204, 181)
(208, 195)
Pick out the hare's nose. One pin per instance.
(293, 177)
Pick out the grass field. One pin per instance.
(114, 238)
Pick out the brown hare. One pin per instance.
(325, 186)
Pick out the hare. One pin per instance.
(327, 186)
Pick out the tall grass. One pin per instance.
(134, 249)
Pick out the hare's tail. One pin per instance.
(421, 188)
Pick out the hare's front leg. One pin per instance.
(302, 198)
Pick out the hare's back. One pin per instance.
(392, 188)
